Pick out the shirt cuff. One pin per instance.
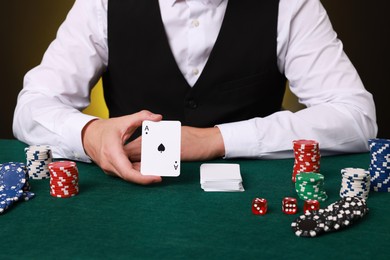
(72, 142)
(240, 139)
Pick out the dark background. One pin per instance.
(28, 27)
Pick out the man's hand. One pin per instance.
(196, 144)
(103, 141)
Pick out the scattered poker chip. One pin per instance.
(38, 157)
(11, 195)
(307, 157)
(337, 216)
(355, 183)
(64, 179)
(329, 220)
(13, 184)
(310, 186)
(308, 225)
(27, 195)
(379, 167)
(12, 175)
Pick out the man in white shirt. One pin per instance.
(200, 36)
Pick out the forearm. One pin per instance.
(338, 128)
(54, 93)
(51, 123)
(201, 143)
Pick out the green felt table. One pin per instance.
(112, 219)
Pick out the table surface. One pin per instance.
(176, 219)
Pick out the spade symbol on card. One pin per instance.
(175, 166)
(146, 129)
(161, 148)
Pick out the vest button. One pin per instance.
(192, 104)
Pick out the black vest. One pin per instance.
(240, 80)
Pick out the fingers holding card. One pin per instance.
(160, 148)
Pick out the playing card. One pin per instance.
(221, 177)
(160, 148)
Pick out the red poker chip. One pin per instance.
(308, 169)
(68, 170)
(63, 174)
(307, 165)
(305, 142)
(63, 179)
(63, 188)
(59, 183)
(62, 164)
(307, 157)
(64, 192)
(63, 185)
(62, 168)
(63, 182)
(307, 150)
(62, 195)
(56, 172)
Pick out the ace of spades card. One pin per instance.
(160, 148)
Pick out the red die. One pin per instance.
(289, 205)
(259, 206)
(310, 205)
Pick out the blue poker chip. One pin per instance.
(4, 206)
(8, 197)
(379, 167)
(11, 195)
(27, 195)
(380, 189)
(12, 176)
(14, 185)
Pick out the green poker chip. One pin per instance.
(310, 185)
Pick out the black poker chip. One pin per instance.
(337, 216)
(329, 219)
(308, 225)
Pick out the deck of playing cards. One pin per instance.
(221, 177)
(160, 148)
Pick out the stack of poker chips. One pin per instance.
(38, 158)
(336, 216)
(14, 185)
(380, 164)
(355, 183)
(310, 186)
(307, 157)
(64, 179)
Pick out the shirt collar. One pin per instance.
(215, 3)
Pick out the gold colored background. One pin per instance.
(28, 27)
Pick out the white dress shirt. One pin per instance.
(340, 113)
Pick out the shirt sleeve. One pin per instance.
(339, 113)
(48, 107)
